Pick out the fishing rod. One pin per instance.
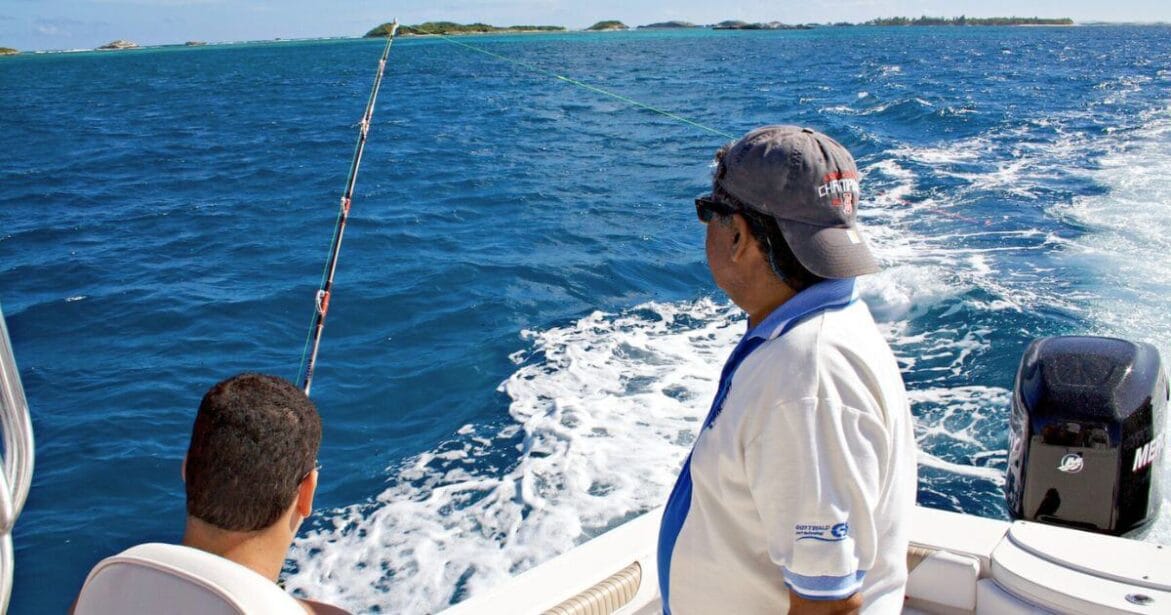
(313, 340)
(321, 307)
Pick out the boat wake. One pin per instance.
(602, 411)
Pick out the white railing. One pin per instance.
(18, 458)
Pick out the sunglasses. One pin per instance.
(707, 208)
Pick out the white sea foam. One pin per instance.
(958, 415)
(1126, 248)
(839, 110)
(990, 474)
(902, 292)
(965, 150)
(1010, 161)
(603, 415)
(924, 270)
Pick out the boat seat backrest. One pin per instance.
(178, 580)
(943, 582)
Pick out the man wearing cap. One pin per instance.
(800, 486)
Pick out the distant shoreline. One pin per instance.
(448, 28)
(970, 21)
(514, 30)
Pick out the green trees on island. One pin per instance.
(610, 24)
(772, 25)
(667, 25)
(969, 21)
(8, 51)
(450, 27)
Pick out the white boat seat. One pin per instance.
(943, 581)
(1080, 572)
(178, 580)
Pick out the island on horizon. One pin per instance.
(118, 44)
(450, 27)
(969, 21)
(614, 25)
(669, 25)
(772, 25)
(609, 25)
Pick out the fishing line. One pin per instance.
(591, 88)
(321, 307)
(537, 69)
(321, 300)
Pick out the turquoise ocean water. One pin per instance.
(523, 334)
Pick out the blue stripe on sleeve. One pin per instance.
(824, 587)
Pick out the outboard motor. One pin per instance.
(1087, 433)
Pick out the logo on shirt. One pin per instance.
(826, 533)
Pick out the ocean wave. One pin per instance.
(602, 413)
(1126, 245)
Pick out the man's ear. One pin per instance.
(305, 492)
(743, 241)
(183, 469)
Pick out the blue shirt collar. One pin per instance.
(821, 296)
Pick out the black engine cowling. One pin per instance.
(1086, 433)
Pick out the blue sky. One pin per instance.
(78, 24)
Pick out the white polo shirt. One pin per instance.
(804, 475)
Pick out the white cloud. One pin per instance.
(64, 26)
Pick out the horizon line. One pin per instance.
(565, 29)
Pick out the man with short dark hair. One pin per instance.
(250, 472)
(800, 486)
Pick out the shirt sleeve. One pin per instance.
(815, 470)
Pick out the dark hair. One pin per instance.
(254, 440)
(766, 233)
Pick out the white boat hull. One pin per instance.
(959, 564)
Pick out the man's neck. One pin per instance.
(262, 551)
(765, 301)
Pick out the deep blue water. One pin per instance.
(523, 329)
